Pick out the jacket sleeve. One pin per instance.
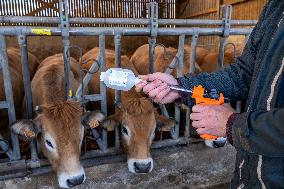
(260, 132)
(233, 81)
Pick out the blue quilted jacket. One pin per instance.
(257, 78)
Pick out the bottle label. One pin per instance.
(118, 78)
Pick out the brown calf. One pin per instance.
(58, 123)
(137, 117)
(163, 57)
(210, 62)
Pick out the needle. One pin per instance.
(176, 88)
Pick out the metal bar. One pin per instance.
(175, 130)
(153, 6)
(194, 41)
(117, 43)
(103, 88)
(187, 123)
(3, 105)
(64, 26)
(9, 97)
(152, 44)
(94, 97)
(28, 91)
(181, 55)
(89, 76)
(130, 21)
(173, 64)
(225, 35)
(6, 147)
(86, 31)
(98, 139)
(164, 110)
(26, 75)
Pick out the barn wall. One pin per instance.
(45, 46)
(209, 9)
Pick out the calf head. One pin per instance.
(138, 120)
(60, 132)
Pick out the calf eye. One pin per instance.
(124, 131)
(49, 143)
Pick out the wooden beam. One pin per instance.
(237, 2)
(201, 13)
(44, 5)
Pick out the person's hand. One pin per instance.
(156, 85)
(211, 119)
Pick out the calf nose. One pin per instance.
(142, 167)
(75, 181)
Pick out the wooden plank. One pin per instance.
(233, 2)
(205, 12)
(44, 5)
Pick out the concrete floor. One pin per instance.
(191, 167)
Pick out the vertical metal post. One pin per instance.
(22, 40)
(103, 87)
(226, 32)
(64, 24)
(9, 98)
(194, 41)
(26, 75)
(153, 7)
(187, 125)
(193, 45)
(152, 44)
(181, 55)
(175, 130)
(117, 43)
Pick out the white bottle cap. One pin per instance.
(137, 80)
(102, 76)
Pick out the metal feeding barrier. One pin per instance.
(35, 165)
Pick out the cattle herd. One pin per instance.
(59, 123)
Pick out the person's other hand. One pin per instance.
(156, 85)
(211, 119)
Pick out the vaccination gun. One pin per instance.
(203, 96)
(124, 79)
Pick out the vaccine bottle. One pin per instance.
(119, 79)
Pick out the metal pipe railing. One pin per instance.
(90, 31)
(128, 21)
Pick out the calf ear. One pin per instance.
(163, 123)
(27, 129)
(92, 119)
(113, 121)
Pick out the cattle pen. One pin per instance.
(64, 25)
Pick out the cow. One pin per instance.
(137, 116)
(163, 58)
(16, 76)
(210, 62)
(58, 125)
